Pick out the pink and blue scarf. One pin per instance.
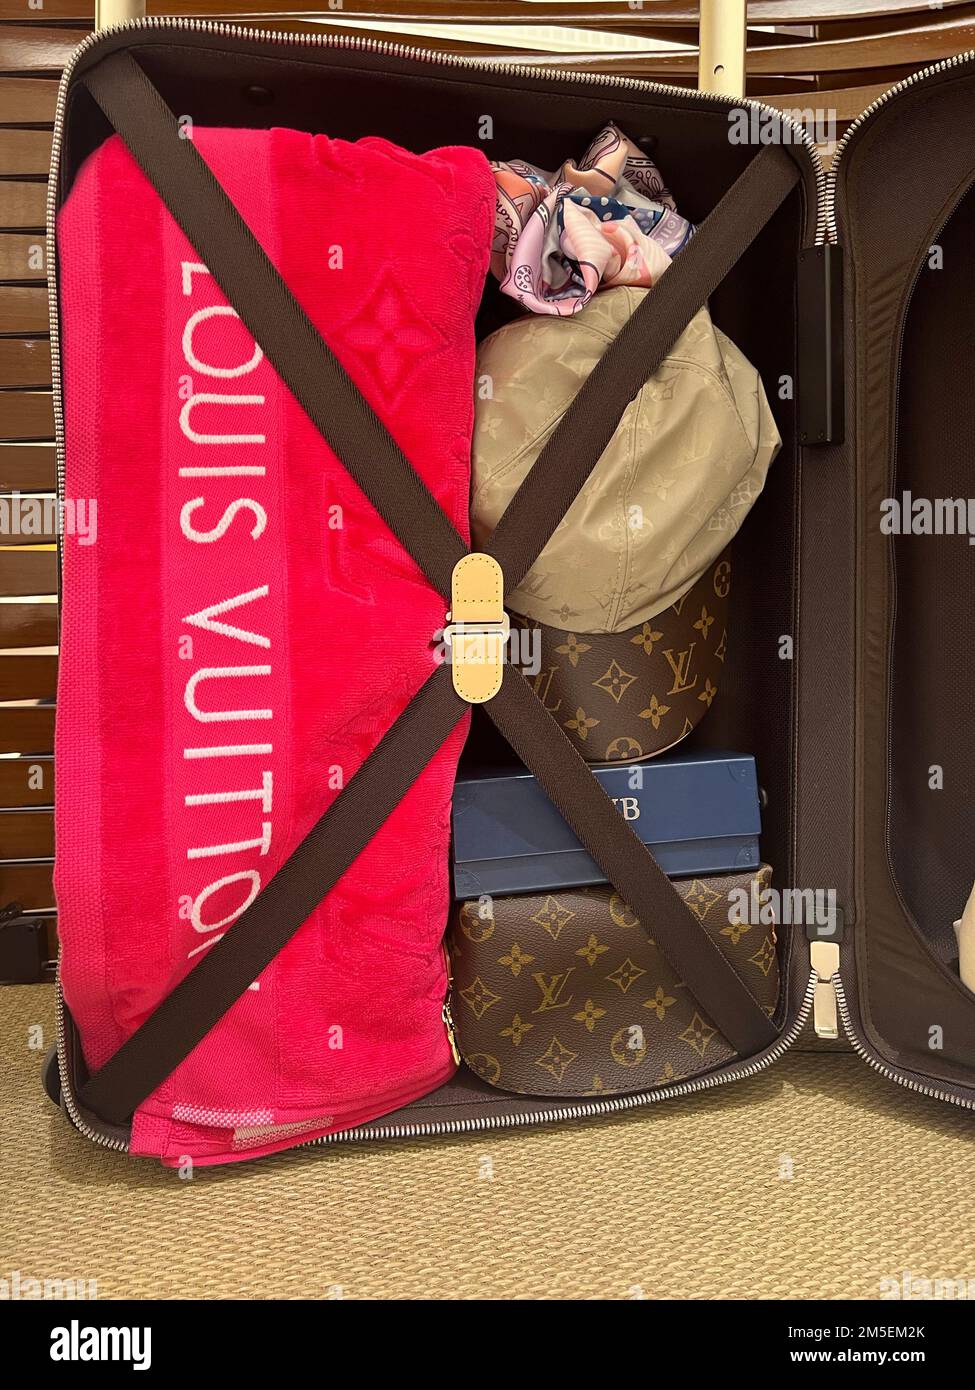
(608, 220)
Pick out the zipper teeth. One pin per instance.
(96, 1136)
(945, 65)
(446, 60)
(585, 1109)
(910, 1083)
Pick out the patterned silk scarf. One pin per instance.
(561, 236)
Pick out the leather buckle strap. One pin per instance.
(477, 628)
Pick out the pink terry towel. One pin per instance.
(246, 628)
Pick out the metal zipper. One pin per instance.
(902, 1079)
(945, 65)
(107, 1141)
(386, 49)
(583, 1109)
(825, 959)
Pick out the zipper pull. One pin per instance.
(448, 1023)
(824, 957)
(10, 913)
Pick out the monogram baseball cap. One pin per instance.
(629, 599)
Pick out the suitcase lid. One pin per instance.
(901, 211)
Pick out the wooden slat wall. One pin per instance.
(602, 14)
(27, 834)
(26, 728)
(31, 57)
(856, 49)
(29, 884)
(27, 674)
(27, 572)
(28, 467)
(27, 781)
(28, 624)
(25, 361)
(27, 102)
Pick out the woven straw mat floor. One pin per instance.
(816, 1179)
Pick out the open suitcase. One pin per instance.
(861, 727)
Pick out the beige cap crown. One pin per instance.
(685, 465)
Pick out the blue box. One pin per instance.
(699, 813)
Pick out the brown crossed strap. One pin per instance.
(318, 382)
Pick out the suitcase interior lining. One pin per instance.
(915, 430)
(230, 81)
(933, 641)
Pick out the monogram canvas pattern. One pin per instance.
(567, 994)
(628, 695)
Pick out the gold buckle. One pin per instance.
(477, 628)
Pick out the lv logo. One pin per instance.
(552, 990)
(681, 667)
(542, 684)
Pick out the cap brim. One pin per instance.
(632, 694)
